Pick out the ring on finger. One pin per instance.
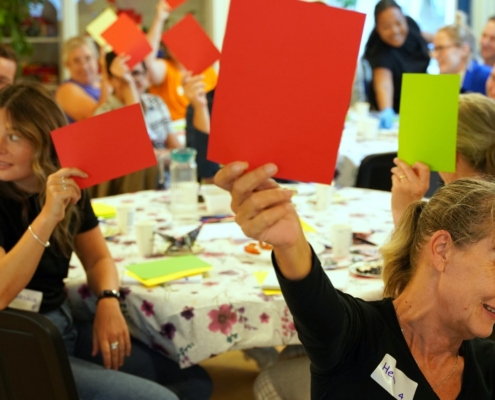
(114, 345)
(63, 183)
(401, 177)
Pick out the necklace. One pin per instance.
(451, 372)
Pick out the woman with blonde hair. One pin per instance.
(475, 154)
(81, 95)
(421, 342)
(454, 49)
(44, 217)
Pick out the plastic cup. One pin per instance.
(323, 196)
(125, 217)
(341, 238)
(362, 109)
(145, 231)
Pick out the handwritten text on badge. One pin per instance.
(393, 380)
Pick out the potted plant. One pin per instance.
(14, 16)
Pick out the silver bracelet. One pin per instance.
(47, 244)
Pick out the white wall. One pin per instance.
(481, 11)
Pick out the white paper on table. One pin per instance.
(339, 279)
(221, 230)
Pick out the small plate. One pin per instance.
(367, 269)
(265, 255)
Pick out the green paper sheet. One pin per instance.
(167, 266)
(428, 120)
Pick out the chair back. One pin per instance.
(374, 173)
(33, 360)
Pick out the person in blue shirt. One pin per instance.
(454, 50)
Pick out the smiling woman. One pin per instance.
(421, 341)
(394, 47)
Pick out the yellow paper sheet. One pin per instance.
(103, 210)
(260, 278)
(307, 228)
(100, 24)
(167, 278)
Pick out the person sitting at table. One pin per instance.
(130, 88)
(475, 154)
(44, 218)
(81, 95)
(454, 50)
(487, 43)
(418, 342)
(8, 65)
(395, 46)
(166, 75)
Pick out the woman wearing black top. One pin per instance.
(420, 342)
(44, 217)
(395, 46)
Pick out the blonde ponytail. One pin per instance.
(465, 208)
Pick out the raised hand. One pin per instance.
(409, 184)
(61, 190)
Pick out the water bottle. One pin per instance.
(183, 184)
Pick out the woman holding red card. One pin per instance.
(44, 217)
(167, 74)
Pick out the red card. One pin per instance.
(126, 37)
(191, 45)
(285, 85)
(107, 146)
(175, 3)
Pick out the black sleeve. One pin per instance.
(413, 26)
(88, 217)
(199, 140)
(334, 328)
(2, 233)
(382, 59)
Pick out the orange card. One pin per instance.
(175, 3)
(107, 146)
(189, 43)
(126, 37)
(285, 86)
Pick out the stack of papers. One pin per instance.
(167, 269)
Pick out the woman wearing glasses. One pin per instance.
(454, 50)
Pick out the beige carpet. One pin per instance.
(232, 375)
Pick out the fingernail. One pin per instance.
(289, 193)
(270, 169)
(239, 167)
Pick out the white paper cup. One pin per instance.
(368, 127)
(362, 109)
(341, 239)
(125, 217)
(323, 196)
(145, 237)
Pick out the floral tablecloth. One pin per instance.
(227, 310)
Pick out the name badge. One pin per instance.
(393, 380)
(27, 300)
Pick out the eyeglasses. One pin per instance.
(438, 49)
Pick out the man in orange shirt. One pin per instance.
(166, 75)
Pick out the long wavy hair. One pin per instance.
(33, 114)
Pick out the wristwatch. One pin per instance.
(108, 293)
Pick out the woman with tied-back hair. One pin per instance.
(454, 49)
(44, 217)
(475, 154)
(420, 342)
(395, 46)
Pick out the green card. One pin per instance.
(428, 120)
(167, 266)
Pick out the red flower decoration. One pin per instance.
(222, 319)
